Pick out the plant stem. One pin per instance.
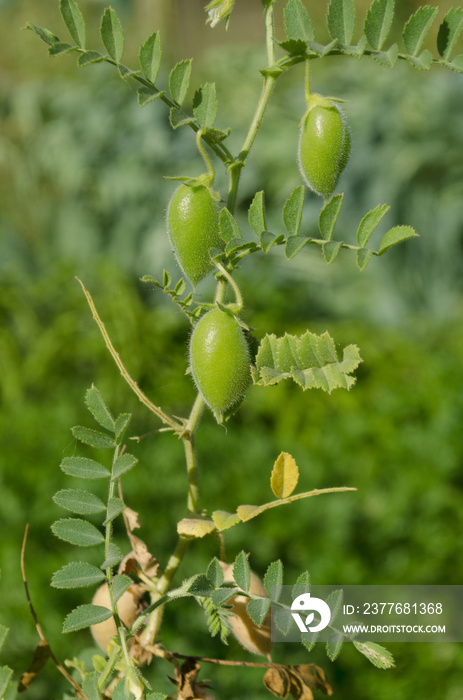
(204, 155)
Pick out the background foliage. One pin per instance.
(83, 193)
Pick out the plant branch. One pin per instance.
(167, 420)
(79, 692)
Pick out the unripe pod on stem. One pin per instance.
(193, 226)
(324, 145)
(220, 361)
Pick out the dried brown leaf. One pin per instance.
(41, 655)
(278, 681)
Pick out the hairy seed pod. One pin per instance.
(257, 640)
(220, 360)
(127, 607)
(193, 226)
(324, 145)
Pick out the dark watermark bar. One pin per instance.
(368, 613)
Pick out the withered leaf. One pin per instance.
(312, 676)
(277, 680)
(41, 655)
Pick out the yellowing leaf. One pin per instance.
(248, 512)
(223, 520)
(195, 527)
(285, 475)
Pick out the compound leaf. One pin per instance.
(341, 20)
(449, 31)
(285, 475)
(310, 360)
(77, 575)
(378, 22)
(298, 25)
(179, 80)
(85, 616)
(74, 21)
(205, 105)
(149, 57)
(112, 34)
(417, 27)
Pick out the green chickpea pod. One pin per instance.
(220, 361)
(324, 145)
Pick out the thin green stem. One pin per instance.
(307, 81)
(205, 157)
(239, 299)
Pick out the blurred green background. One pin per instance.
(83, 193)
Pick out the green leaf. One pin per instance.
(294, 244)
(90, 686)
(205, 105)
(298, 25)
(112, 34)
(310, 360)
(78, 532)
(77, 574)
(115, 508)
(363, 258)
(388, 58)
(146, 95)
(296, 47)
(309, 639)
(330, 250)
(60, 48)
(242, 572)
(149, 57)
(179, 80)
(302, 585)
(3, 635)
(123, 464)
(267, 240)
(285, 475)
(417, 27)
(222, 595)
(229, 229)
(179, 118)
(449, 31)
(423, 61)
(200, 586)
(98, 408)
(256, 214)
(89, 57)
(120, 584)
(74, 21)
(156, 696)
(334, 645)
(283, 620)
(5, 676)
(273, 579)
(334, 602)
(120, 425)
(356, 50)
(93, 437)
(257, 610)
(378, 655)
(292, 212)
(84, 468)
(329, 215)
(341, 20)
(85, 616)
(214, 573)
(322, 49)
(78, 501)
(114, 556)
(122, 691)
(370, 222)
(456, 64)
(396, 235)
(378, 22)
(44, 34)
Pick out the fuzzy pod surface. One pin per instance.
(193, 228)
(220, 361)
(324, 145)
